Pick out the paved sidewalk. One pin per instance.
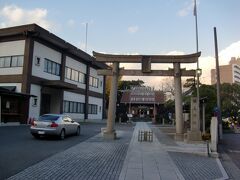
(147, 160)
(171, 160)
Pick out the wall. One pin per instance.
(34, 110)
(98, 102)
(43, 51)
(226, 74)
(71, 63)
(93, 72)
(69, 96)
(12, 48)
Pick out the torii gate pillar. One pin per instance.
(109, 132)
(178, 102)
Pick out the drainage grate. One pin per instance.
(145, 136)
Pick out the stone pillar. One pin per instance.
(178, 102)
(203, 117)
(109, 132)
(154, 114)
(194, 134)
(129, 108)
(214, 135)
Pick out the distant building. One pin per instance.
(41, 73)
(228, 73)
(143, 101)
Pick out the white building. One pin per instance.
(59, 77)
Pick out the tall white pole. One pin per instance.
(86, 37)
(198, 94)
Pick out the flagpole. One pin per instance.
(197, 74)
(86, 37)
(196, 24)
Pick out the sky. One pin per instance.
(136, 27)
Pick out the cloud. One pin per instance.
(231, 51)
(12, 15)
(82, 46)
(175, 53)
(188, 8)
(71, 23)
(133, 29)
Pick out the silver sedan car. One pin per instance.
(54, 124)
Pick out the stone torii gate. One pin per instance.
(146, 60)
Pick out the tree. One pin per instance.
(190, 82)
(168, 85)
(123, 85)
(208, 92)
(230, 98)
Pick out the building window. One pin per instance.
(14, 61)
(73, 107)
(74, 75)
(93, 81)
(92, 109)
(11, 61)
(20, 61)
(7, 62)
(51, 67)
(81, 78)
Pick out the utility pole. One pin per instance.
(219, 111)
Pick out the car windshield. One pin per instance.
(48, 118)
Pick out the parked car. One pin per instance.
(54, 124)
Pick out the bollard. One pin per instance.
(208, 148)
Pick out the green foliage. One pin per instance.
(128, 84)
(189, 83)
(230, 98)
(209, 91)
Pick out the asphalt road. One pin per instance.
(231, 145)
(19, 150)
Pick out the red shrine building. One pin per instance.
(143, 102)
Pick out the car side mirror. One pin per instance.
(72, 121)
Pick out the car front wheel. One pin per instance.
(36, 136)
(62, 134)
(78, 131)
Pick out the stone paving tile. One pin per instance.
(196, 167)
(162, 137)
(154, 162)
(94, 159)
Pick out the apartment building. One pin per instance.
(41, 73)
(228, 73)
